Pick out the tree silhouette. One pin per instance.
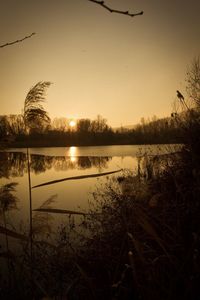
(193, 82)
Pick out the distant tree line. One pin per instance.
(87, 132)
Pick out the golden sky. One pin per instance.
(100, 63)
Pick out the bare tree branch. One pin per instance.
(17, 41)
(102, 3)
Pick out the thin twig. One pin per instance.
(18, 41)
(115, 10)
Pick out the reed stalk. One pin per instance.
(30, 208)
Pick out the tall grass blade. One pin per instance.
(13, 234)
(76, 177)
(59, 211)
(149, 229)
(137, 245)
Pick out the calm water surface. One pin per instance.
(57, 163)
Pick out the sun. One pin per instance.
(72, 123)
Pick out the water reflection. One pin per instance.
(72, 152)
(13, 164)
(73, 159)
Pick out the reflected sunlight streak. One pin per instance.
(72, 153)
(73, 159)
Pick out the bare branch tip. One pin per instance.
(112, 10)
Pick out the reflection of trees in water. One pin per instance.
(41, 163)
(93, 161)
(13, 164)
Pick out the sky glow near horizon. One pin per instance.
(99, 63)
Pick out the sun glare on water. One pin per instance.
(72, 123)
(72, 154)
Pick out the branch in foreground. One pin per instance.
(17, 41)
(115, 10)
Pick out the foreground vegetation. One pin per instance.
(139, 240)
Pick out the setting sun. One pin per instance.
(72, 123)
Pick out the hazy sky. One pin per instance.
(100, 63)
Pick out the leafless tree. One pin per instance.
(193, 82)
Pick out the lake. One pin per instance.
(56, 163)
